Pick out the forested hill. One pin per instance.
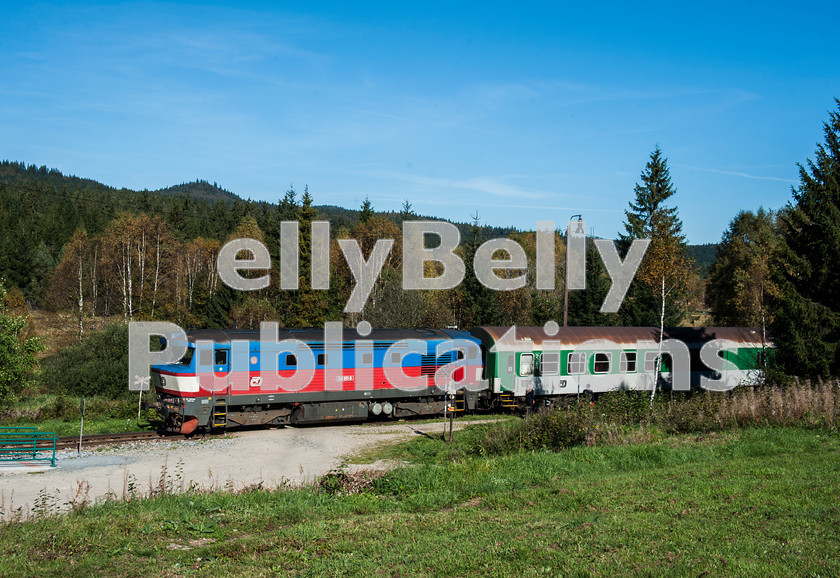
(41, 208)
(200, 190)
(16, 172)
(703, 257)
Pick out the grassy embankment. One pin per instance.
(756, 500)
(62, 414)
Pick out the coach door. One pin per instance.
(525, 374)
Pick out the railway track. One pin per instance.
(93, 440)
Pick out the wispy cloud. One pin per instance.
(738, 174)
(483, 184)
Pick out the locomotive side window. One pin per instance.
(550, 363)
(627, 364)
(205, 356)
(460, 354)
(291, 360)
(526, 364)
(510, 369)
(221, 357)
(322, 359)
(577, 362)
(367, 358)
(396, 358)
(650, 361)
(602, 363)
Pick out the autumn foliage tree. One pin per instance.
(740, 284)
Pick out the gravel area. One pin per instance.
(273, 457)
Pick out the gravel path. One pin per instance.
(276, 457)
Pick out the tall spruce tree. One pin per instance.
(366, 212)
(807, 321)
(655, 295)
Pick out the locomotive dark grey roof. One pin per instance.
(313, 335)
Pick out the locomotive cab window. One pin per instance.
(576, 363)
(526, 364)
(221, 357)
(627, 364)
(187, 359)
(550, 363)
(602, 363)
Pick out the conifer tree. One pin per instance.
(661, 282)
(807, 320)
(366, 211)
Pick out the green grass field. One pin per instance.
(750, 502)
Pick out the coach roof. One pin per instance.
(621, 335)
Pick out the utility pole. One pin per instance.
(566, 276)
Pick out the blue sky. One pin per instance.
(515, 111)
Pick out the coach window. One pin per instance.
(602, 363)
(576, 363)
(550, 363)
(627, 364)
(526, 364)
(291, 360)
(221, 357)
(650, 361)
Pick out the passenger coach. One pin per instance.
(592, 360)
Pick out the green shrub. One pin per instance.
(96, 366)
(17, 352)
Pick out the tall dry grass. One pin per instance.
(628, 417)
(802, 404)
